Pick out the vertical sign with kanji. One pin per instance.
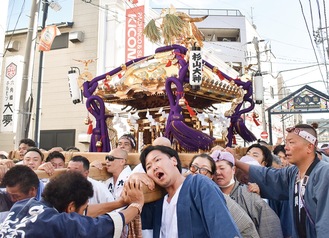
(195, 66)
(10, 92)
(135, 14)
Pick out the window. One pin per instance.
(221, 34)
(56, 138)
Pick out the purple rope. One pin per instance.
(189, 138)
(95, 106)
(237, 123)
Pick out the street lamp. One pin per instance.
(73, 84)
(259, 88)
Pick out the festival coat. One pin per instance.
(201, 211)
(279, 184)
(265, 219)
(32, 218)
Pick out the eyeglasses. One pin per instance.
(194, 169)
(304, 134)
(111, 158)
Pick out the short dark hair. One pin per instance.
(55, 154)
(23, 176)
(266, 153)
(279, 148)
(35, 149)
(28, 141)
(72, 148)
(209, 158)
(164, 149)
(2, 156)
(68, 187)
(82, 159)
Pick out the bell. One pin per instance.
(99, 144)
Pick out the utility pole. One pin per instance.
(258, 82)
(40, 76)
(24, 111)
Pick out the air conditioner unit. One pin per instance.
(13, 46)
(84, 138)
(77, 36)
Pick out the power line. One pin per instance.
(309, 34)
(312, 20)
(294, 69)
(322, 43)
(326, 25)
(15, 27)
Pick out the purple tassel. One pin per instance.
(237, 123)
(188, 138)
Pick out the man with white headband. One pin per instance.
(325, 149)
(305, 185)
(127, 142)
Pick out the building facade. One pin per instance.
(98, 33)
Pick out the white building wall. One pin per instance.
(244, 52)
(103, 40)
(58, 112)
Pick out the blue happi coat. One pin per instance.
(201, 211)
(279, 184)
(36, 219)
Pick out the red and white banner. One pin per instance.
(47, 37)
(11, 92)
(134, 32)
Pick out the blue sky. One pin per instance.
(281, 22)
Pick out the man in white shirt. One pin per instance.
(116, 165)
(101, 194)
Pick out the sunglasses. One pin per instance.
(304, 134)
(111, 158)
(194, 169)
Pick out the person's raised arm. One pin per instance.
(95, 210)
(3, 171)
(7, 162)
(133, 195)
(47, 167)
(142, 177)
(243, 166)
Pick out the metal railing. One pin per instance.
(207, 12)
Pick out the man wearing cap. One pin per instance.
(266, 221)
(305, 184)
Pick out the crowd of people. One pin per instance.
(271, 191)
